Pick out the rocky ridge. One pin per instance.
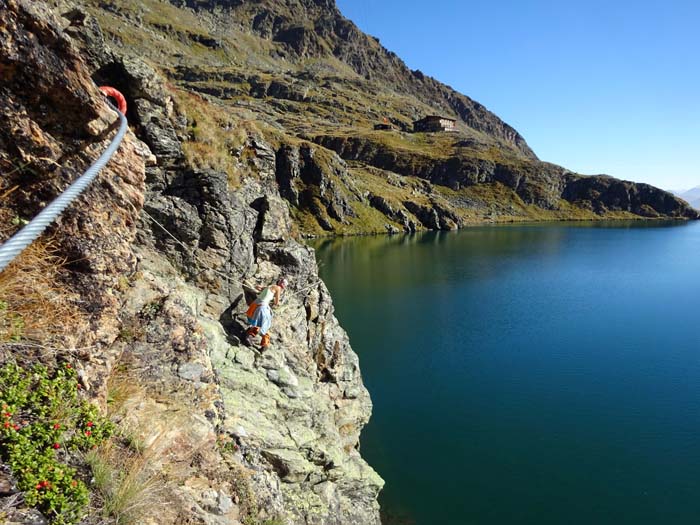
(309, 80)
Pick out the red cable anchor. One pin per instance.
(116, 95)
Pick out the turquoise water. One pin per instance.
(539, 374)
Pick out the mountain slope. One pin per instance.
(691, 196)
(301, 76)
(316, 29)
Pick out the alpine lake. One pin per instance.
(528, 374)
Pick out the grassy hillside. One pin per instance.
(299, 75)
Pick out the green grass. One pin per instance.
(214, 135)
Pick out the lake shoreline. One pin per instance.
(533, 373)
(516, 222)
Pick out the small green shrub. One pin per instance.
(42, 419)
(227, 444)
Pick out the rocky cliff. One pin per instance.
(149, 269)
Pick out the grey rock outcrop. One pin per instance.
(538, 183)
(309, 178)
(603, 193)
(295, 411)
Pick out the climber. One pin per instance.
(260, 314)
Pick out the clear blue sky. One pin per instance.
(596, 86)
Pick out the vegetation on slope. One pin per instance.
(290, 73)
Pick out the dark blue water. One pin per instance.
(540, 374)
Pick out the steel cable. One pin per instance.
(23, 238)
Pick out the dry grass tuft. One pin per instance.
(215, 137)
(122, 386)
(34, 305)
(125, 485)
(125, 488)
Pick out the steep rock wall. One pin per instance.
(55, 123)
(162, 264)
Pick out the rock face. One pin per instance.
(538, 183)
(165, 255)
(606, 193)
(296, 410)
(311, 179)
(50, 134)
